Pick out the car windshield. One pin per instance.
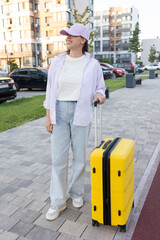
(44, 70)
(110, 66)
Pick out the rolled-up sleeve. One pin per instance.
(46, 103)
(100, 84)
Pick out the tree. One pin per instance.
(134, 42)
(12, 65)
(107, 60)
(84, 19)
(152, 55)
(158, 57)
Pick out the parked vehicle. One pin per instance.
(3, 72)
(117, 72)
(154, 66)
(107, 73)
(7, 89)
(128, 66)
(140, 69)
(30, 78)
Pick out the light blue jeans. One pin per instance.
(65, 133)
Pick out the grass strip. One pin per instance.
(117, 83)
(20, 111)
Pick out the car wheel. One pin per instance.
(114, 76)
(17, 86)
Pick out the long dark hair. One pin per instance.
(84, 49)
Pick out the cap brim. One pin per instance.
(66, 32)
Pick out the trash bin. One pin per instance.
(152, 74)
(130, 80)
(156, 75)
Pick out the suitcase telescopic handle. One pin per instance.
(95, 119)
(96, 102)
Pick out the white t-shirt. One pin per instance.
(70, 78)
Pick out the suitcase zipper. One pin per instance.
(106, 182)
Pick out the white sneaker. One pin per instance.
(54, 212)
(77, 202)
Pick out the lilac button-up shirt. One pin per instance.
(92, 82)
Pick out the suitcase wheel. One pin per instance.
(122, 228)
(95, 223)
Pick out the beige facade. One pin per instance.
(29, 30)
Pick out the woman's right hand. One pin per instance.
(49, 125)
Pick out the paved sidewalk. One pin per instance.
(25, 169)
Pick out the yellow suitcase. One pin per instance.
(112, 182)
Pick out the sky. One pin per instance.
(149, 14)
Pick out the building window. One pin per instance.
(68, 17)
(97, 46)
(91, 13)
(47, 5)
(105, 45)
(90, 26)
(97, 20)
(105, 30)
(98, 32)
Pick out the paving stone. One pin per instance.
(22, 192)
(102, 232)
(22, 228)
(38, 233)
(8, 189)
(6, 223)
(52, 225)
(70, 214)
(22, 238)
(8, 209)
(8, 236)
(85, 218)
(8, 197)
(73, 228)
(21, 182)
(21, 202)
(26, 215)
(38, 195)
(64, 236)
(86, 208)
(36, 205)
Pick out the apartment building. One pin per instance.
(29, 30)
(114, 26)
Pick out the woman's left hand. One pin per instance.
(99, 97)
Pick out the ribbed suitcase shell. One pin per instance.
(118, 204)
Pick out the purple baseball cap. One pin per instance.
(77, 29)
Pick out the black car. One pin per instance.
(107, 73)
(7, 89)
(128, 66)
(29, 78)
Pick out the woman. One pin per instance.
(75, 80)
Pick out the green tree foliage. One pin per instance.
(12, 65)
(107, 60)
(84, 19)
(152, 55)
(158, 57)
(134, 42)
